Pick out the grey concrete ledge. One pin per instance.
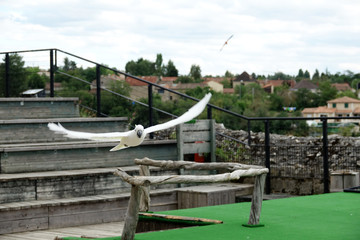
(77, 201)
(55, 99)
(63, 120)
(66, 173)
(72, 145)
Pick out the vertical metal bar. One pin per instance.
(249, 132)
(98, 91)
(151, 115)
(267, 157)
(7, 75)
(55, 64)
(209, 112)
(51, 73)
(325, 156)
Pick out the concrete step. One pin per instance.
(57, 156)
(16, 131)
(22, 187)
(49, 214)
(58, 213)
(30, 108)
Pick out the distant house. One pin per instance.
(340, 107)
(305, 84)
(229, 91)
(243, 79)
(57, 87)
(168, 79)
(215, 83)
(139, 89)
(341, 87)
(269, 85)
(107, 80)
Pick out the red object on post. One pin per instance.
(199, 157)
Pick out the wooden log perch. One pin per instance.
(132, 214)
(169, 164)
(152, 180)
(180, 218)
(256, 201)
(145, 190)
(140, 185)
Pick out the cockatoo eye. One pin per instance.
(139, 133)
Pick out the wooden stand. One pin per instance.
(140, 186)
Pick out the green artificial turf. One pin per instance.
(326, 216)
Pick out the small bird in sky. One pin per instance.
(136, 136)
(226, 42)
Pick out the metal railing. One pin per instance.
(53, 53)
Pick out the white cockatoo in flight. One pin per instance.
(226, 42)
(136, 136)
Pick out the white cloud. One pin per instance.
(269, 36)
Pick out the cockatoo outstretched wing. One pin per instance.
(108, 137)
(190, 114)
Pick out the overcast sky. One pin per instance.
(268, 36)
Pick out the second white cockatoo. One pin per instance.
(136, 136)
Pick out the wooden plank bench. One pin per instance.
(25, 108)
(18, 158)
(16, 131)
(69, 212)
(65, 184)
(210, 195)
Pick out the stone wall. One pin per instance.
(296, 162)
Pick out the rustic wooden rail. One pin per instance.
(140, 185)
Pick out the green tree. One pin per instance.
(170, 70)
(316, 76)
(327, 92)
(142, 67)
(304, 98)
(355, 84)
(280, 75)
(17, 75)
(195, 72)
(159, 67)
(276, 102)
(300, 74)
(347, 93)
(228, 74)
(307, 74)
(36, 81)
(69, 65)
(281, 126)
(226, 83)
(184, 79)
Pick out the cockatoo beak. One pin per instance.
(139, 133)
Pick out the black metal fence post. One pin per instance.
(98, 91)
(249, 132)
(55, 64)
(325, 156)
(209, 112)
(7, 75)
(150, 98)
(267, 156)
(51, 73)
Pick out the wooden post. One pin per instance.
(132, 214)
(256, 201)
(212, 140)
(179, 138)
(145, 190)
